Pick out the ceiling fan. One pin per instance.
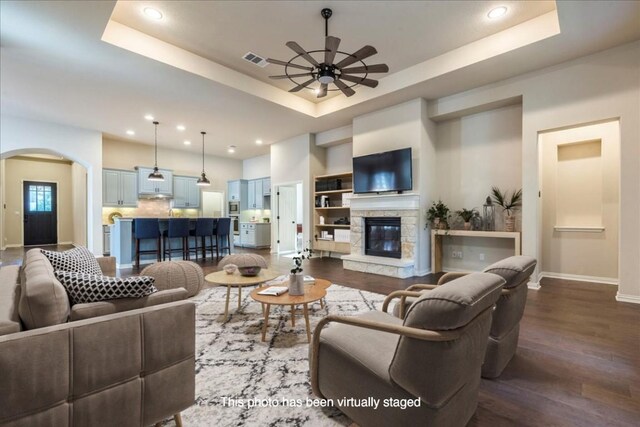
(327, 72)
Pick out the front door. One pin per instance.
(40, 213)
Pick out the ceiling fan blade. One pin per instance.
(363, 53)
(299, 50)
(285, 76)
(331, 47)
(344, 88)
(303, 85)
(288, 64)
(375, 68)
(360, 80)
(323, 90)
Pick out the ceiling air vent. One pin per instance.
(255, 59)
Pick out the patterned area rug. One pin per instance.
(234, 366)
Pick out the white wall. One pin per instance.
(294, 160)
(591, 200)
(401, 126)
(339, 158)
(79, 203)
(127, 155)
(474, 153)
(23, 136)
(590, 89)
(256, 167)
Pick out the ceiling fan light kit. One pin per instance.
(328, 72)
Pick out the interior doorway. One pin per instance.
(213, 204)
(580, 202)
(40, 212)
(286, 218)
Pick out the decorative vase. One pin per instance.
(509, 222)
(442, 225)
(467, 225)
(436, 223)
(296, 284)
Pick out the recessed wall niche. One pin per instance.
(579, 196)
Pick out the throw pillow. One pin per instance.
(79, 260)
(83, 287)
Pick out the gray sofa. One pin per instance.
(432, 357)
(130, 362)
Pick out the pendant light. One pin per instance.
(156, 175)
(203, 181)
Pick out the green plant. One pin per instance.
(466, 214)
(297, 260)
(438, 210)
(503, 200)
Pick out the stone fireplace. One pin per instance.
(384, 233)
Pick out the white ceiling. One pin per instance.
(224, 31)
(55, 67)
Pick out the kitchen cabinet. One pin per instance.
(237, 192)
(266, 187)
(148, 188)
(255, 234)
(119, 188)
(255, 197)
(186, 193)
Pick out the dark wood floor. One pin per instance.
(578, 358)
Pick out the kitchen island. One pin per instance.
(122, 245)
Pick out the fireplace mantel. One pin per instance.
(409, 201)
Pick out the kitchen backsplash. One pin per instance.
(254, 215)
(150, 208)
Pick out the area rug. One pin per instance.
(242, 381)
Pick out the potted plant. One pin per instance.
(508, 204)
(438, 215)
(296, 278)
(466, 215)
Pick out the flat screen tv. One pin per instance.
(383, 172)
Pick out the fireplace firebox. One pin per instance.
(382, 237)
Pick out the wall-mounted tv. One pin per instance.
(383, 172)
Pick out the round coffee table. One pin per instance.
(312, 292)
(238, 281)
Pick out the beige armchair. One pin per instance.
(432, 359)
(505, 327)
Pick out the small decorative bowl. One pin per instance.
(250, 271)
(230, 268)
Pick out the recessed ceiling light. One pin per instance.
(231, 149)
(180, 128)
(497, 12)
(152, 13)
(259, 141)
(149, 117)
(187, 143)
(130, 132)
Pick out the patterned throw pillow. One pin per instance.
(79, 260)
(83, 287)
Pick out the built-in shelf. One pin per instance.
(573, 228)
(332, 213)
(344, 190)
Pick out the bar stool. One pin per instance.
(224, 228)
(178, 228)
(146, 229)
(204, 229)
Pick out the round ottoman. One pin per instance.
(176, 274)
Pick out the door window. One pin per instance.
(40, 198)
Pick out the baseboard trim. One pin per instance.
(13, 245)
(533, 285)
(119, 266)
(422, 272)
(580, 278)
(633, 299)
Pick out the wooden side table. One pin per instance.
(239, 281)
(311, 293)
